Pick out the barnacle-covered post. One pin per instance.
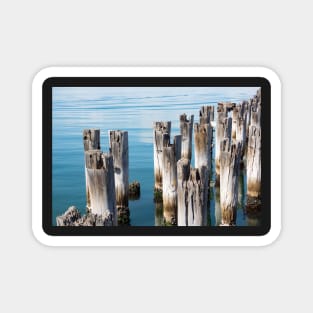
(171, 153)
(186, 134)
(100, 186)
(161, 136)
(230, 162)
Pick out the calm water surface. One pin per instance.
(133, 109)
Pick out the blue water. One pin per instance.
(128, 108)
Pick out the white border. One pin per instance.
(155, 240)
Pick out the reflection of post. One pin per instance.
(119, 151)
(230, 161)
(254, 162)
(169, 192)
(158, 214)
(91, 139)
(186, 133)
(183, 171)
(218, 214)
(159, 130)
(100, 185)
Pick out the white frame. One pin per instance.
(156, 240)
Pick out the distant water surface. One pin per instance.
(133, 109)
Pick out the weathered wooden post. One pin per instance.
(203, 139)
(254, 162)
(223, 130)
(161, 136)
(230, 161)
(100, 185)
(197, 186)
(169, 190)
(91, 138)
(119, 150)
(241, 133)
(235, 117)
(183, 172)
(206, 114)
(186, 133)
(192, 194)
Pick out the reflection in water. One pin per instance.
(159, 219)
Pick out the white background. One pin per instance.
(37, 34)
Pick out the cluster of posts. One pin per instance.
(184, 189)
(106, 175)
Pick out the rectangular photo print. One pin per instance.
(156, 156)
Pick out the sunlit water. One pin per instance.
(133, 109)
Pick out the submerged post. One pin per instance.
(119, 151)
(186, 133)
(230, 162)
(169, 190)
(100, 185)
(254, 162)
(161, 135)
(91, 138)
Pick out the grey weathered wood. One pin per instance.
(100, 187)
(119, 150)
(192, 194)
(219, 133)
(229, 172)
(197, 186)
(186, 133)
(203, 139)
(235, 118)
(169, 183)
(91, 138)
(254, 162)
(183, 172)
(206, 114)
(223, 130)
(161, 137)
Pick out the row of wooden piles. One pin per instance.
(106, 175)
(184, 189)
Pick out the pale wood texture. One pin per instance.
(91, 139)
(203, 138)
(229, 172)
(186, 126)
(119, 150)
(223, 130)
(183, 172)
(169, 190)
(254, 162)
(161, 136)
(192, 194)
(100, 185)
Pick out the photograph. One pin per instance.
(156, 156)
